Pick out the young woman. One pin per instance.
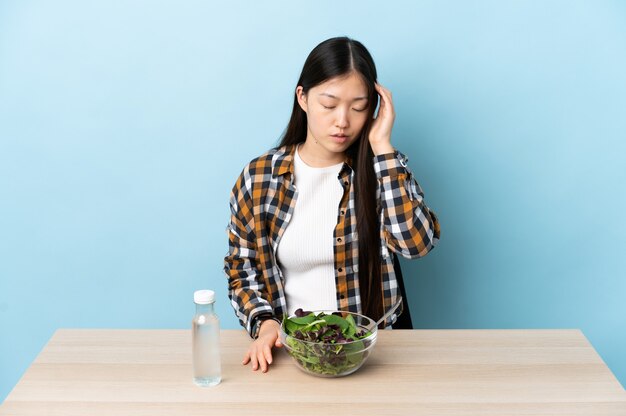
(315, 222)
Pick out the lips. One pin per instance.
(339, 138)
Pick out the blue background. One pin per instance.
(123, 126)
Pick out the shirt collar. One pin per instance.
(284, 162)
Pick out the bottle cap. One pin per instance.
(203, 297)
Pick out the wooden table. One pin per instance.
(411, 372)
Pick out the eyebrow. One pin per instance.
(336, 98)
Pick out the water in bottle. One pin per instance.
(206, 340)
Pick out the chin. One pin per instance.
(337, 147)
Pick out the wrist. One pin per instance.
(259, 321)
(382, 148)
(268, 323)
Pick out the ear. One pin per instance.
(302, 98)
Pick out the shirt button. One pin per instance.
(343, 212)
(340, 270)
(342, 296)
(339, 240)
(346, 183)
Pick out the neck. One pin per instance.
(204, 309)
(316, 156)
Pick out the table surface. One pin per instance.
(410, 372)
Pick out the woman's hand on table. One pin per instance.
(260, 351)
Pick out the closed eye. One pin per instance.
(330, 108)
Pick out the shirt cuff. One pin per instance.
(258, 320)
(390, 164)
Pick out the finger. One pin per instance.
(382, 92)
(262, 361)
(255, 362)
(382, 101)
(385, 94)
(385, 90)
(267, 353)
(379, 90)
(386, 100)
(279, 342)
(382, 108)
(246, 358)
(382, 89)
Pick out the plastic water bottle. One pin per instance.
(207, 369)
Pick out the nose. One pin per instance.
(342, 119)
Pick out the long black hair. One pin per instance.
(340, 57)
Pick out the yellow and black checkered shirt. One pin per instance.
(261, 205)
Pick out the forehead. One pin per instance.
(347, 88)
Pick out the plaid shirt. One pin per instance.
(261, 205)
